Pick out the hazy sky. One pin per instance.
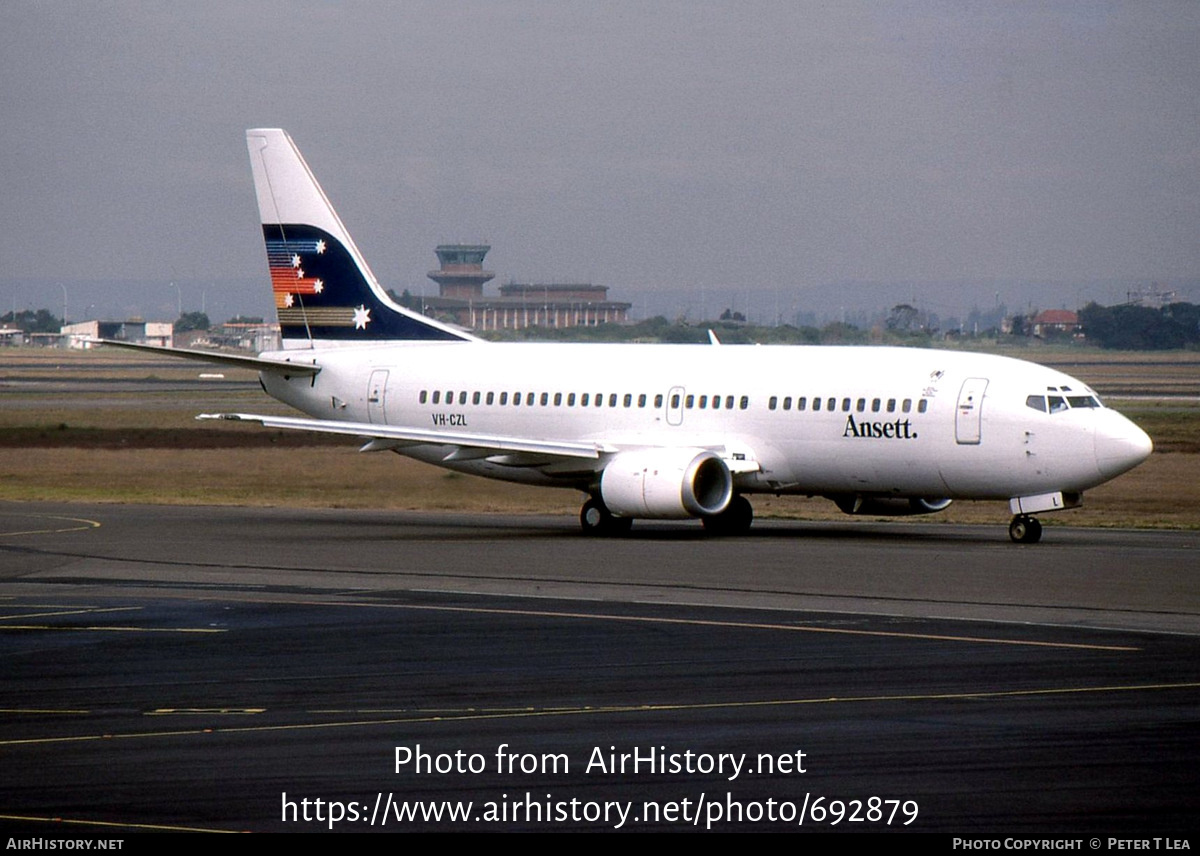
(707, 149)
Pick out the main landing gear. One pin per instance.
(596, 519)
(734, 520)
(1025, 529)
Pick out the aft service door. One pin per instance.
(970, 411)
(377, 397)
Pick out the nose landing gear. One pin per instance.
(1025, 529)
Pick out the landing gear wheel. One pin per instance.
(734, 520)
(596, 519)
(1025, 530)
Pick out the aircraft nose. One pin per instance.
(1120, 445)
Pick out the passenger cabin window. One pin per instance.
(816, 404)
(658, 400)
(612, 400)
(584, 399)
(861, 405)
(423, 396)
(570, 399)
(831, 404)
(675, 401)
(874, 405)
(922, 405)
(628, 400)
(437, 396)
(475, 396)
(801, 402)
(787, 402)
(845, 405)
(907, 405)
(891, 407)
(558, 399)
(491, 398)
(772, 402)
(729, 402)
(744, 403)
(642, 400)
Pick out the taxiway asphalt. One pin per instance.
(212, 668)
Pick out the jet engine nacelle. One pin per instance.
(890, 506)
(666, 484)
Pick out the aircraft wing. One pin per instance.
(512, 451)
(393, 436)
(257, 364)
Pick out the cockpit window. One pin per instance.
(1060, 403)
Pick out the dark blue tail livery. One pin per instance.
(320, 294)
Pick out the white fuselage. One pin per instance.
(903, 422)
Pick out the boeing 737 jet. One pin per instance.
(661, 431)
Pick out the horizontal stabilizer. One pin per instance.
(283, 367)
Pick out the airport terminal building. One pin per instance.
(460, 299)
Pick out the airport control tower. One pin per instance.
(461, 275)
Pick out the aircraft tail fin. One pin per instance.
(325, 294)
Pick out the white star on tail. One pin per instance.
(320, 247)
(318, 286)
(295, 260)
(288, 300)
(362, 317)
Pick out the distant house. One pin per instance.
(1055, 321)
(83, 334)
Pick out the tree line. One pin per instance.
(32, 321)
(1122, 327)
(1141, 328)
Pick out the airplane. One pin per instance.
(659, 431)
